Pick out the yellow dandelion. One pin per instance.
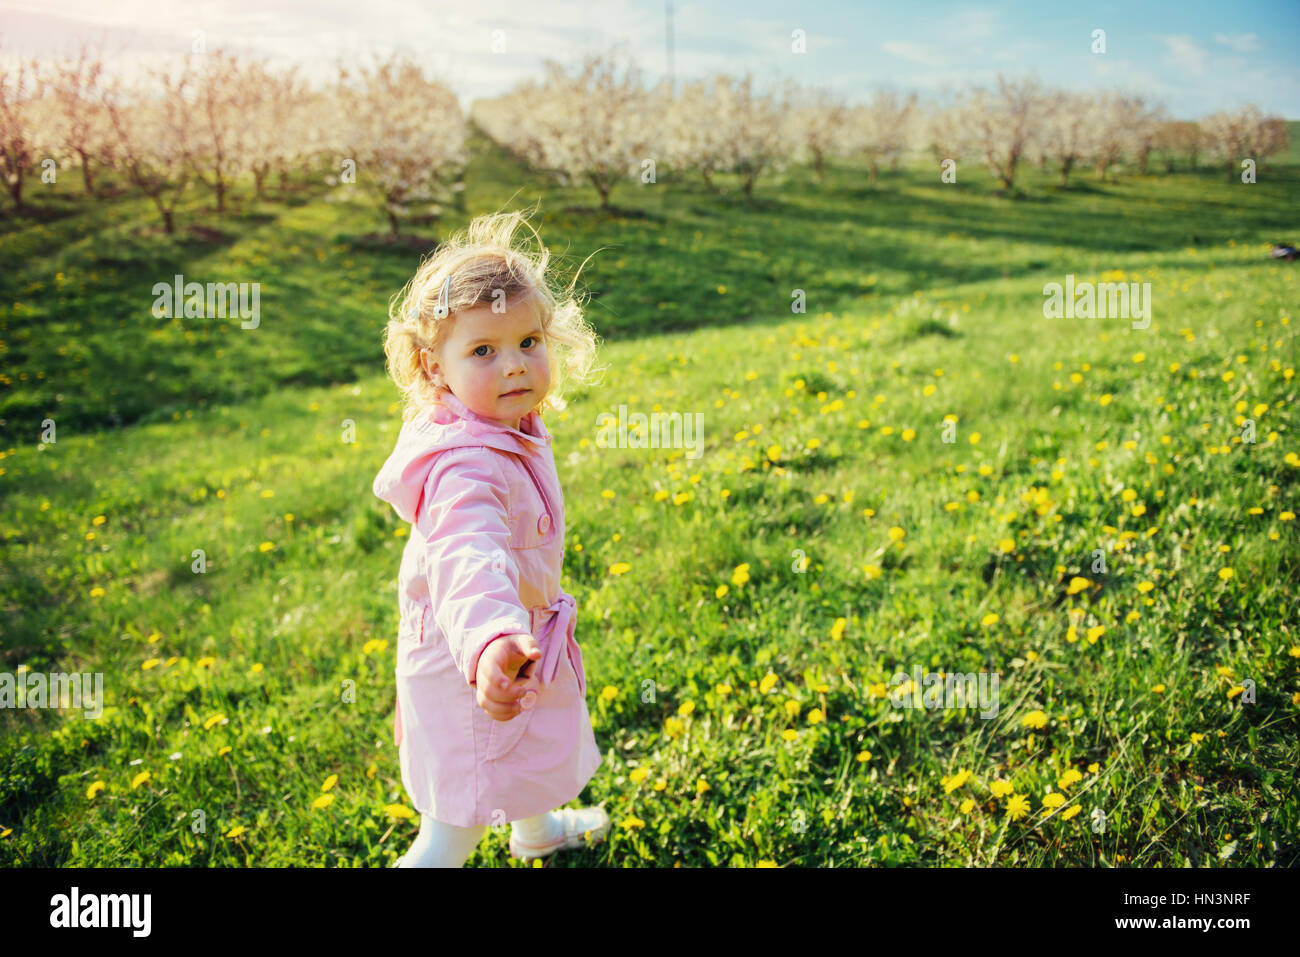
(816, 715)
(686, 708)
(1071, 776)
(329, 782)
(1017, 806)
(951, 784)
(619, 568)
(322, 802)
(1070, 812)
(1035, 719)
(1053, 800)
(638, 775)
(139, 779)
(990, 619)
(768, 683)
(94, 789)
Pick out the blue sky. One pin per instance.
(1196, 57)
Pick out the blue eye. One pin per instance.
(525, 339)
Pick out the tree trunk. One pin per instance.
(169, 223)
(221, 194)
(16, 191)
(871, 179)
(1143, 155)
(1066, 165)
(392, 220)
(819, 166)
(708, 179)
(87, 176)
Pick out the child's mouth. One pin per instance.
(516, 392)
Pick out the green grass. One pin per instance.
(901, 282)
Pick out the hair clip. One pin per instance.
(442, 309)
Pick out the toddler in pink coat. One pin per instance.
(491, 722)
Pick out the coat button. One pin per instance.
(543, 524)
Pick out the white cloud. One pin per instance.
(1242, 43)
(917, 53)
(1184, 55)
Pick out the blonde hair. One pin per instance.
(480, 260)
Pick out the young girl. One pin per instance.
(492, 723)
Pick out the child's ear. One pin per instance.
(430, 366)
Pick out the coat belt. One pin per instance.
(556, 633)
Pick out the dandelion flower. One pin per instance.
(1017, 806)
(1035, 719)
(1000, 788)
(951, 784)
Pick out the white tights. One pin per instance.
(440, 844)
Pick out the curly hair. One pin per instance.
(484, 262)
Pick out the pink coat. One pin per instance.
(483, 560)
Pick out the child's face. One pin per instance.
(489, 354)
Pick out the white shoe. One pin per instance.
(583, 827)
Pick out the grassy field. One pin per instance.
(827, 538)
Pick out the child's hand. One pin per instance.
(503, 677)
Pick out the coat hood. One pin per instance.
(447, 426)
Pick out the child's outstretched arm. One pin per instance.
(473, 579)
